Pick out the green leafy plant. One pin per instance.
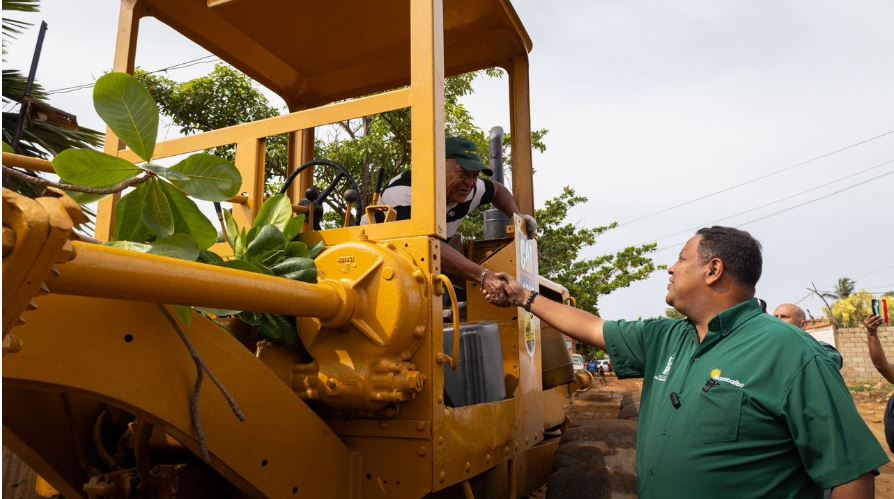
(270, 247)
(159, 207)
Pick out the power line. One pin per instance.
(874, 272)
(809, 201)
(787, 168)
(786, 198)
(179, 65)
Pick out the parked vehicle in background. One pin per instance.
(577, 360)
(606, 364)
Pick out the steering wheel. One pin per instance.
(314, 195)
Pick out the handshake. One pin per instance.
(500, 289)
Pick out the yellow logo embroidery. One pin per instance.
(715, 373)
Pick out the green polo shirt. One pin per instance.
(777, 421)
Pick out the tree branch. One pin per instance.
(201, 369)
(24, 177)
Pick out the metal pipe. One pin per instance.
(25, 106)
(106, 272)
(37, 164)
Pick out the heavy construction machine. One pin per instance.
(381, 397)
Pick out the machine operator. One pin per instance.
(465, 192)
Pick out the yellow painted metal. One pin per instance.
(41, 165)
(520, 117)
(363, 361)
(41, 229)
(129, 356)
(278, 44)
(107, 272)
(448, 286)
(298, 120)
(427, 116)
(378, 339)
(388, 210)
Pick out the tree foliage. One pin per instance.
(843, 289)
(854, 308)
(224, 97)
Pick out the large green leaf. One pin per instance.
(268, 240)
(128, 109)
(129, 246)
(232, 229)
(246, 266)
(83, 198)
(293, 265)
(179, 246)
(297, 269)
(277, 210)
(92, 168)
(157, 210)
(293, 227)
(188, 219)
(163, 171)
(208, 177)
(184, 313)
(317, 249)
(7, 148)
(297, 248)
(129, 224)
(206, 256)
(275, 328)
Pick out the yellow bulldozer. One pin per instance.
(103, 392)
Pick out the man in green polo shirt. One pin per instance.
(735, 403)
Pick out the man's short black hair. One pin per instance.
(739, 252)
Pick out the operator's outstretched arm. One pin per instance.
(504, 202)
(580, 325)
(454, 262)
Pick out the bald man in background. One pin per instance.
(794, 315)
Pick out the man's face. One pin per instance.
(686, 276)
(459, 181)
(790, 314)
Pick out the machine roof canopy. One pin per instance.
(312, 52)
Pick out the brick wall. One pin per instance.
(858, 368)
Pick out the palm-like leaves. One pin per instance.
(843, 289)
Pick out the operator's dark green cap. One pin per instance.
(466, 154)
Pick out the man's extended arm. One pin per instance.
(580, 325)
(454, 262)
(876, 352)
(504, 201)
(861, 488)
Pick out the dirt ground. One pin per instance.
(603, 402)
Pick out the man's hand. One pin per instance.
(530, 225)
(510, 292)
(872, 323)
(493, 289)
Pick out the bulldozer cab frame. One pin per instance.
(366, 416)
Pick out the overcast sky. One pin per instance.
(650, 105)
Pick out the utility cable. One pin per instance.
(809, 201)
(766, 175)
(786, 198)
(180, 65)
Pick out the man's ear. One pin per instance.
(715, 271)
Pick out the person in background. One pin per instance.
(877, 354)
(733, 405)
(794, 315)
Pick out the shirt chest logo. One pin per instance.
(663, 376)
(716, 376)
